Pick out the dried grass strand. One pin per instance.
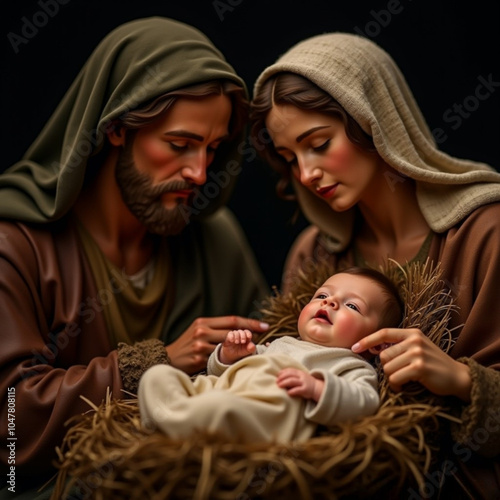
(109, 453)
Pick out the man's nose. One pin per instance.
(196, 170)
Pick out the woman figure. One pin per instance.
(336, 118)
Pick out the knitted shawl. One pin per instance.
(366, 81)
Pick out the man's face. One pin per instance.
(158, 170)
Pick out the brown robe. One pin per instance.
(54, 342)
(469, 255)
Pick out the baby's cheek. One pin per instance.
(351, 331)
(303, 318)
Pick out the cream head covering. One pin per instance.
(366, 81)
(136, 62)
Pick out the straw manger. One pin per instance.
(107, 454)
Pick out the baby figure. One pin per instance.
(282, 391)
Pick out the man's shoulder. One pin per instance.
(221, 224)
(218, 236)
(223, 217)
(12, 231)
(22, 237)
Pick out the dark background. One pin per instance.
(443, 47)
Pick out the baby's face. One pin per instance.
(342, 311)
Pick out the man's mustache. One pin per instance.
(167, 187)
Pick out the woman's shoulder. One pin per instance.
(474, 237)
(484, 218)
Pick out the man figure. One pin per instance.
(115, 247)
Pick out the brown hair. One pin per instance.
(150, 111)
(394, 306)
(293, 89)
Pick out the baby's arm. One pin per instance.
(299, 383)
(237, 345)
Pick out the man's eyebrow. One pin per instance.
(190, 135)
(184, 133)
(309, 132)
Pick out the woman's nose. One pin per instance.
(309, 173)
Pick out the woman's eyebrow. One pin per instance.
(309, 132)
(303, 136)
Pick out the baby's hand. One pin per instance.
(299, 383)
(237, 345)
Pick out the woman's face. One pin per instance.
(321, 156)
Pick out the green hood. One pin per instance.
(136, 62)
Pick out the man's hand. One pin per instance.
(191, 350)
(299, 383)
(237, 345)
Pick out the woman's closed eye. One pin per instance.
(322, 147)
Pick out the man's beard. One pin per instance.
(144, 200)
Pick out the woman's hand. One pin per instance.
(412, 357)
(191, 350)
(299, 383)
(238, 344)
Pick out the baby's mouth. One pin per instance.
(322, 317)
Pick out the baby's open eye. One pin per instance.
(352, 306)
(321, 296)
